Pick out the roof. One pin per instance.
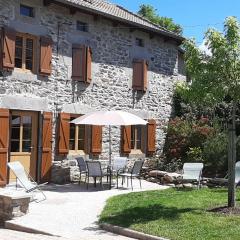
(121, 14)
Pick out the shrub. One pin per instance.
(195, 154)
(215, 153)
(183, 135)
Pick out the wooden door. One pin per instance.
(23, 141)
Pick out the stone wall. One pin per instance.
(113, 51)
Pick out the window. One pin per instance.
(139, 42)
(26, 11)
(140, 70)
(77, 136)
(21, 133)
(136, 137)
(24, 52)
(82, 26)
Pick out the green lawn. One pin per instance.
(174, 214)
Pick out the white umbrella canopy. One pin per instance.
(110, 118)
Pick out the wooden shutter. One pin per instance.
(96, 139)
(89, 65)
(64, 132)
(151, 136)
(4, 140)
(46, 56)
(79, 62)
(7, 49)
(126, 139)
(46, 147)
(140, 68)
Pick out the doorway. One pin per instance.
(23, 141)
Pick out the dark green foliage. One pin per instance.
(150, 13)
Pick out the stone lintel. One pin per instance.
(25, 103)
(77, 108)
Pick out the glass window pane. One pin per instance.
(82, 26)
(18, 53)
(138, 145)
(19, 41)
(81, 144)
(72, 131)
(27, 121)
(29, 64)
(15, 133)
(15, 146)
(26, 11)
(15, 122)
(18, 63)
(26, 146)
(72, 144)
(29, 44)
(27, 133)
(81, 132)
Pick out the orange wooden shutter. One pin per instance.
(46, 147)
(46, 56)
(79, 62)
(151, 139)
(4, 140)
(64, 132)
(126, 139)
(89, 65)
(140, 69)
(96, 146)
(8, 37)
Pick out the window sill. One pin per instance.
(136, 151)
(21, 70)
(76, 152)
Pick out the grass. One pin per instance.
(174, 214)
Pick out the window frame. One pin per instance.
(24, 37)
(76, 136)
(139, 42)
(31, 11)
(82, 26)
(21, 135)
(136, 138)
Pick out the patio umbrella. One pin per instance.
(109, 118)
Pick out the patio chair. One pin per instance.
(94, 169)
(119, 165)
(225, 179)
(82, 168)
(25, 180)
(134, 173)
(192, 172)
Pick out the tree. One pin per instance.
(216, 77)
(150, 13)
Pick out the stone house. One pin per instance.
(61, 59)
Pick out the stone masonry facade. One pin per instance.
(113, 50)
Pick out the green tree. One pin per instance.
(150, 13)
(216, 77)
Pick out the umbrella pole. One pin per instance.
(110, 145)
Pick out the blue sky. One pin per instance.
(196, 16)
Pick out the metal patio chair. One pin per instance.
(192, 172)
(25, 180)
(95, 171)
(118, 166)
(82, 168)
(134, 172)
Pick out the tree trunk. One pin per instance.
(232, 159)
